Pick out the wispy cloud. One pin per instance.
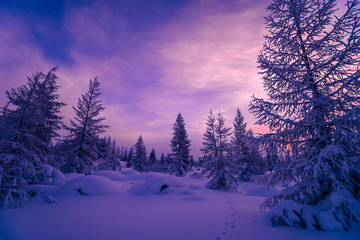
(153, 61)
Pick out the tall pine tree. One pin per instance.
(180, 147)
(130, 157)
(108, 154)
(49, 109)
(310, 70)
(84, 131)
(244, 150)
(162, 166)
(31, 115)
(239, 139)
(218, 161)
(139, 159)
(210, 149)
(240, 147)
(124, 154)
(29, 122)
(152, 160)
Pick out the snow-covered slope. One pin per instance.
(129, 205)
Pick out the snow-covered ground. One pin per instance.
(129, 205)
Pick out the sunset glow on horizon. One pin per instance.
(154, 59)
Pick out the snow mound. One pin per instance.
(156, 185)
(284, 213)
(135, 175)
(129, 172)
(262, 192)
(331, 214)
(92, 185)
(112, 175)
(49, 175)
(70, 176)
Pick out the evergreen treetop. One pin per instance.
(180, 147)
(139, 159)
(239, 138)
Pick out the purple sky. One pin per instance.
(154, 59)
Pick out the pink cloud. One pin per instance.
(204, 57)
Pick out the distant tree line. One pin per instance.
(31, 118)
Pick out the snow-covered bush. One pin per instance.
(15, 172)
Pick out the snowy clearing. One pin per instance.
(128, 205)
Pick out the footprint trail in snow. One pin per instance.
(234, 216)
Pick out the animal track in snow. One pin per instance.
(234, 215)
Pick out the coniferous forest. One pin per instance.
(303, 172)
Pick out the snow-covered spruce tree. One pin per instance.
(254, 150)
(57, 155)
(124, 154)
(239, 138)
(130, 157)
(310, 71)
(220, 165)
(240, 148)
(48, 110)
(209, 137)
(251, 164)
(28, 123)
(162, 164)
(31, 114)
(163, 159)
(114, 160)
(118, 152)
(103, 146)
(180, 148)
(192, 161)
(18, 162)
(139, 159)
(168, 159)
(109, 157)
(84, 132)
(151, 163)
